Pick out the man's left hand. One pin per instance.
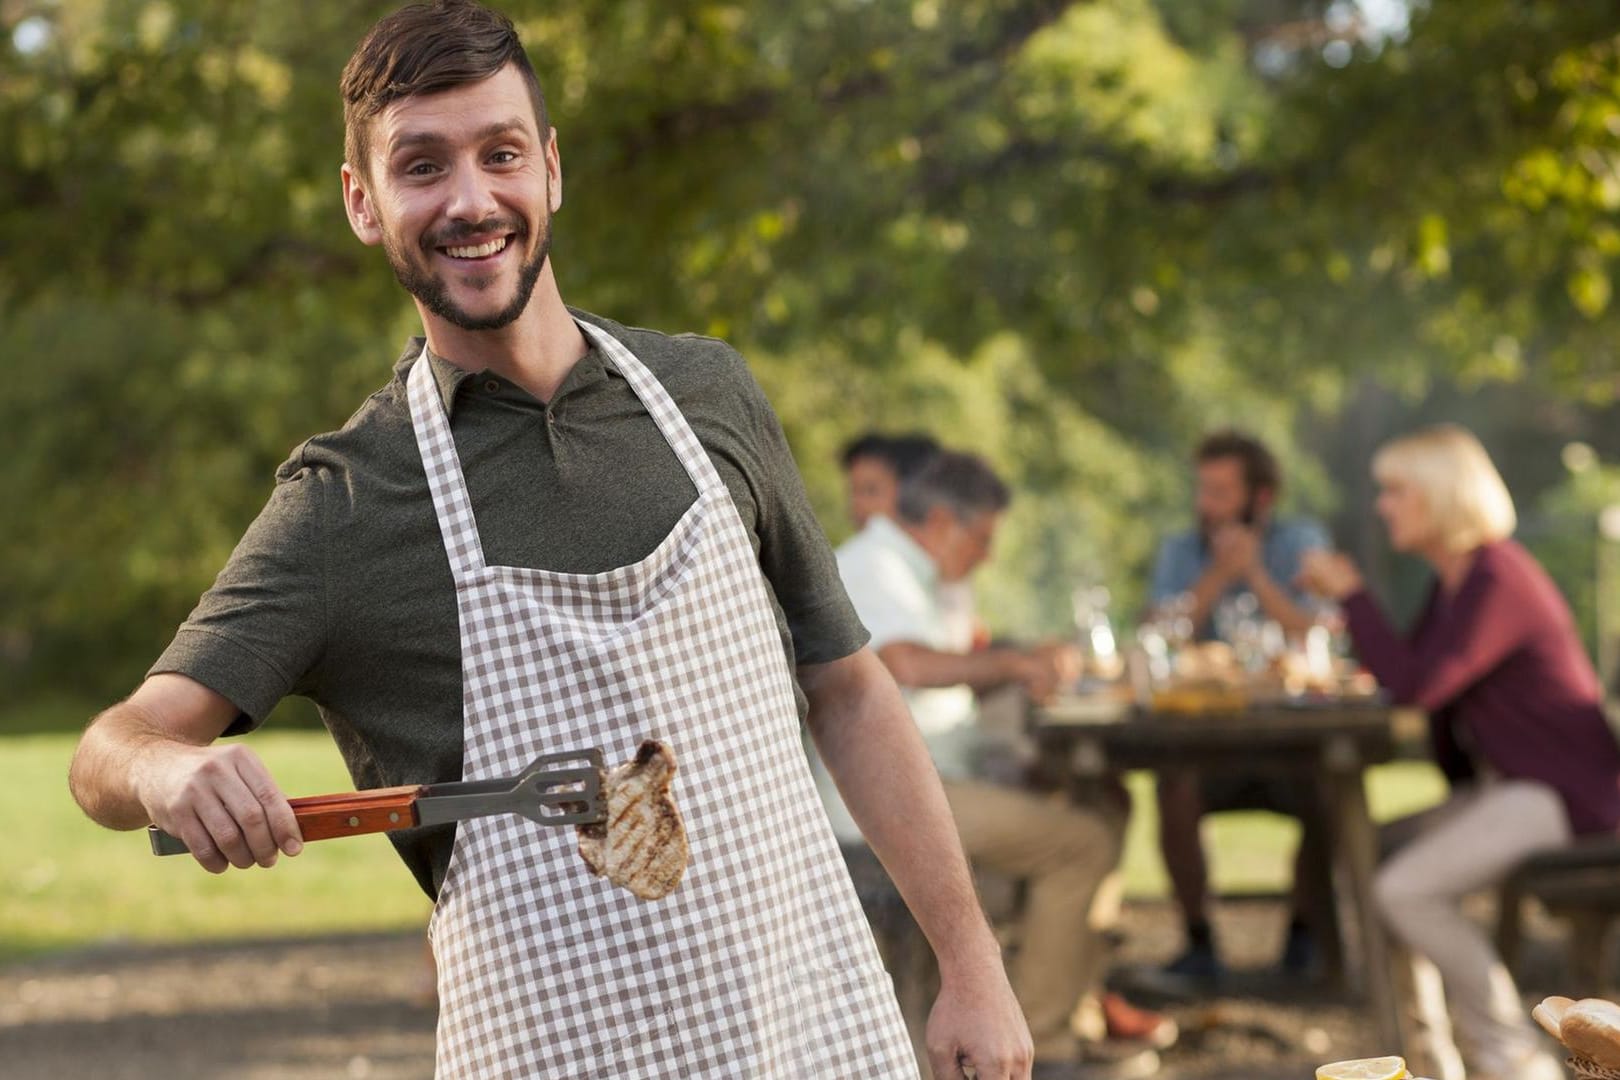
(976, 1023)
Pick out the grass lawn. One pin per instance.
(1253, 852)
(69, 883)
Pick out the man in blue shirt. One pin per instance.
(1239, 547)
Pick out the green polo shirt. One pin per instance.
(341, 592)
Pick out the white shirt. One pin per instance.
(895, 588)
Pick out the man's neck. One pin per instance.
(536, 350)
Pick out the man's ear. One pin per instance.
(553, 173)
(357, 204)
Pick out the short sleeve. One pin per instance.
(794, 552)
(887, 598)
(258, 633)
(1294, 541)
(1305, 536)
(1173, 571)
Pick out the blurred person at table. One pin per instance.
(875, 464)
(1516, 724)
(1239, 546)
(944, 522)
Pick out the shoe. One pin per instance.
(1198, 964)
(1128, 1023)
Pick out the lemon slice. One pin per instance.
(1384, 1068)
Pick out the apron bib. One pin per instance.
(761, 964)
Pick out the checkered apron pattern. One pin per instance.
(760, 965)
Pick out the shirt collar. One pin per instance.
(592, 368)
(888, 534)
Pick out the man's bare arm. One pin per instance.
(872, 750)
(1207, 592)
(917, 665)
(149, 759)
(1279, 604)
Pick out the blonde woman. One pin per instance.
(1516, 724)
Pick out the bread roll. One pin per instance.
(1550, 1014)
(1591, 1028)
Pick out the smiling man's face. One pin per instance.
(460, 193)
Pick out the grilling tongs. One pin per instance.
(556, 789)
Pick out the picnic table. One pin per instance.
(1084, 740)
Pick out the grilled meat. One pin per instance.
(642, 846)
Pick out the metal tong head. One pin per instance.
(563, 788)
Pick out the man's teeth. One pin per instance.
(478, 252)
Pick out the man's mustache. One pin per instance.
(451, 235)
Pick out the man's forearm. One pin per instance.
(1279, 605)
(1206, 593)
(872, 750)
(918, 666)
(103, 776)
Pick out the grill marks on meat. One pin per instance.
(642, 846)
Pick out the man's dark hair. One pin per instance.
(962, 483)
(1260, 469)
(905, 454)
(423, 49)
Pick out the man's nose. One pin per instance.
(472, 195)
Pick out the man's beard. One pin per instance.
(433, 291)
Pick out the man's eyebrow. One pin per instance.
(433, 138)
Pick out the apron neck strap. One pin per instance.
(451, 503)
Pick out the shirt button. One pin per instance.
(492, 386)
(551, 417)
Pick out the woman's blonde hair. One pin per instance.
(1469, 505)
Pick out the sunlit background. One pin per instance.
(1071, 235)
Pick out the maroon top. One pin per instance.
(1501, 671)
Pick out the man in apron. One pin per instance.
(547, 532)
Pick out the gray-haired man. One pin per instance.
(945, 521)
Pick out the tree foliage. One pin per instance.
(1072, 234)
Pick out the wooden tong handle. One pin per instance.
(322, 817)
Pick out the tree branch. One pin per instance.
(706, 117)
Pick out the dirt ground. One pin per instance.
(350, 1008)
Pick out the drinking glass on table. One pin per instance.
(1096, 631)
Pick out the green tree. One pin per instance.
(1072, 234)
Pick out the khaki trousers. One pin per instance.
(1063, 854)
(1471, 841)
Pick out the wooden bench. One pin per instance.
(1581, 884)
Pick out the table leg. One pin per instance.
(1357, 843)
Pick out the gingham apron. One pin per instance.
(760, 965)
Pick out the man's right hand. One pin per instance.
(153, 758)
(220, 800)
(1044, 668)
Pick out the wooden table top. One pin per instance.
(1142, 736)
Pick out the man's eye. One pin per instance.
(421, 168)
(503, 157)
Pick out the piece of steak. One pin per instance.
(642, 846)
